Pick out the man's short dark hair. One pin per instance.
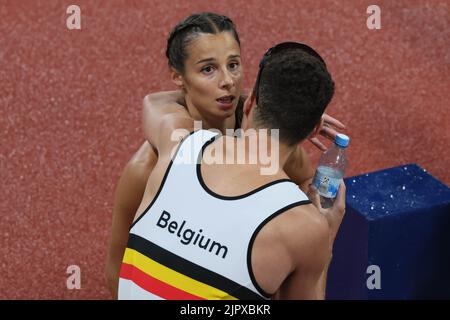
(294, 90)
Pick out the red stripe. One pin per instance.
(154, 285)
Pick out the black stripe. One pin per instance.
(252, 240)
(163, 181)
(219, 196)
(192, 270)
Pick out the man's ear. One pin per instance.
(317, 129)
(177, 78)
(249, 102)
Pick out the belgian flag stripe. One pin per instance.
(189, 269)
(173, 278)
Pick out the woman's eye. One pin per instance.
(207, 70)
(234, 65)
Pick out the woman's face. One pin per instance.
(213, 75)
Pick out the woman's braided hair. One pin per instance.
(188, 29)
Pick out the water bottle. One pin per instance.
(331, 170)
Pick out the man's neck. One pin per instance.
(261, 148)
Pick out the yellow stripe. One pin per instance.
(173, 278)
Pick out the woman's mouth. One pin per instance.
(225, 102)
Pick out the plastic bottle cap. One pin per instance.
(342, 140)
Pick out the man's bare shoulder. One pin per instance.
(304, 230)
(305, 215)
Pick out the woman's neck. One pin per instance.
(209, 122)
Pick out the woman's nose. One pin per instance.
(227, 80)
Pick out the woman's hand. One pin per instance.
(328, 130)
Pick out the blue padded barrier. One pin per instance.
(397, 219)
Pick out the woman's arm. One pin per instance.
(158, 105)
(127, 198)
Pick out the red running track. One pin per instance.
(71, 105)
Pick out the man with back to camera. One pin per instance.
(207, 230)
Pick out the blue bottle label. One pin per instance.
(327, 181)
